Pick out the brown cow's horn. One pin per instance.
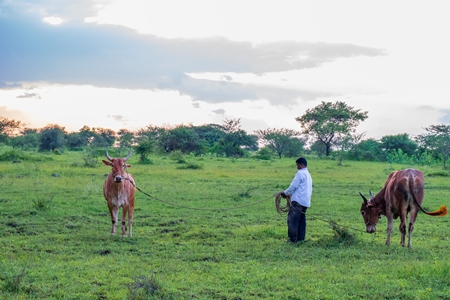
(128, 156)
(364, 198)
(371, 195)
(107, 156)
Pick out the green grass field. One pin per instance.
(212, 232)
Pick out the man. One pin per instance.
(300, 191)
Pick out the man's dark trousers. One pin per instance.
(296, 222)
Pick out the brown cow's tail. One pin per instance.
(442, 211)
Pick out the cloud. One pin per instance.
(118, 118)
(13, 114)
(227, 78)
(7, 86)
(114, 56)
(30, 96)
(69, 10)
(220, 111)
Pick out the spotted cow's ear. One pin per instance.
(108, 163)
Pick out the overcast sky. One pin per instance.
(133, 63)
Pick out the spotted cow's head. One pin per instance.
(118, 166)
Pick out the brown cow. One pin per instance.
(119, 189)
(402, 193)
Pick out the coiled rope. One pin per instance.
(282, 210)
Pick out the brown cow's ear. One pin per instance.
(128, 166)
(108, 163)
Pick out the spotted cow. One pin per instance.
(119, 189)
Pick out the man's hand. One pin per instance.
(283, 195)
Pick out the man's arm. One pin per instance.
(294, 185)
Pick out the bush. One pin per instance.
(264, 154)
(13, 156)
(191, 166)
(177, 156)
(90, 158)
(13, 280)
(42, 203)
(143, 288)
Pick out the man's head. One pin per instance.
(301, 163)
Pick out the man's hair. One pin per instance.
(302, 161)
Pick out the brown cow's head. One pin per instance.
(370, 213)
(118, 165)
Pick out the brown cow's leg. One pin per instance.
(413, 216)
(389, 228)
(402, 227)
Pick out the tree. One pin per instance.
(399, 141)
(369, 150)
(329, 121)
(75, 141)
(151, 133)
(234, 141)
(125, 138)
(10, 127)
(437, 140)
(83, 138)
(182, 138)
(104, 137)
(52, 137)
(28, 139)
(295, 147)
(210, 133)
(87, 135)
(281, 141)
(318, 147)
(144, 147)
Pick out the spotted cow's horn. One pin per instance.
(128, 156)
(107, 156)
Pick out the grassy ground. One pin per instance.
(211, 231)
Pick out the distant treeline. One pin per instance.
(328, 130)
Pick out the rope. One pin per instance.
(282, 210)
(202, 208)
(197, 208)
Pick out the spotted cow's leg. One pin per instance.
(130, 220)
(124, 219)
(114, 217)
